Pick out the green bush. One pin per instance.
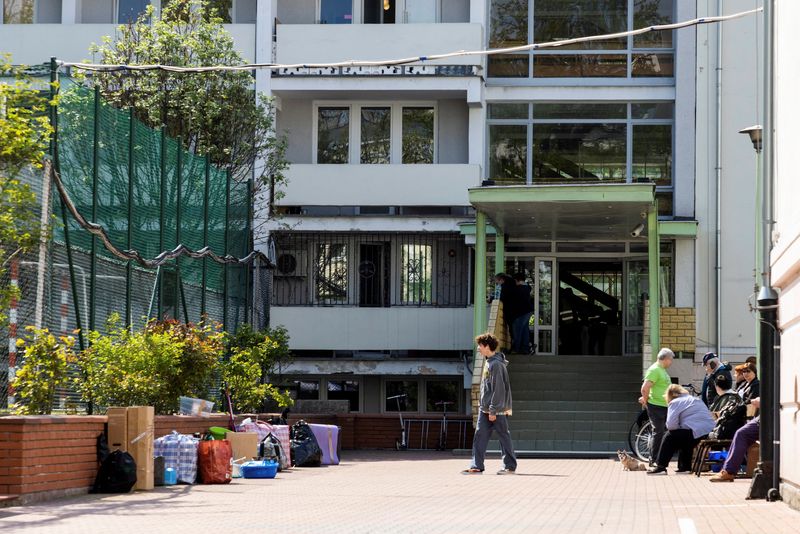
(45, 367)
(152, 367)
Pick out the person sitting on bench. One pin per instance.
(742, 440)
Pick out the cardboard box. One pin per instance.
(117, 428)
(140, 444)
(244, 444)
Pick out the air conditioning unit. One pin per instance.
(291, 263)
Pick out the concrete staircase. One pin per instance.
(573, 404)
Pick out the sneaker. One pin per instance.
(657, 471)
(472, 471)
(723, 476)
(683, 472)
(506, 472)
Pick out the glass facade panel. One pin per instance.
(664, 199)
(345, 390)
(130, 10)
(508, 153)
(409, 388)
(376, 134)
(653, 65)
(418, 135)
(509, 66)
(652, 154)
(545, 341)
(439, 391)
(579, 153)
(555, 20)
(508, 111)
(653, 110)
(651, 13)
(421, 11)
(545, 311)
(416, 274)
(48, 11)
(580, 66)
(18, 11)
(508, 26)
(333, 135)
(331, 272)
(306, 389)
(335, 11)
(580, 111)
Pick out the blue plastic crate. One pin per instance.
(260, 469)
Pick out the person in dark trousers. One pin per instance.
(494, 409)
(714, 368)
(520, 330)
(742, 440)
(654, 388)
(688, 422)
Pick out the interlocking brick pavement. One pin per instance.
(386, 492)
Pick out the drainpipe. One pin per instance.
(718, 172)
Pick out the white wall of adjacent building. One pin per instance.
(786, 251)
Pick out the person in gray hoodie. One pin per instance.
(495, 407)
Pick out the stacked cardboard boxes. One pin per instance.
(131, 429)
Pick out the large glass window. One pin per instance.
(331, 272)
(305, 389)
(376, 134)
(652, 154)
(418, 134)
(508, 152)
(345, 390)
(335, 11)
(439, 392)
(408, 402)
(130, 10)
(564, 153)
(18, 11)
(416, 272)
(333, 135)
(646, 55)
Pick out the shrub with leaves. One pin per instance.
(152, 367)
(45, 367)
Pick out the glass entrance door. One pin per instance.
(545, 302)
(636, 293)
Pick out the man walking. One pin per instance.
(495, 407)
(655, 385)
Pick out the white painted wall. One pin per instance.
(319, 43)
(740, 104)
(32, 44)
(399, 328)
(786, 252)
(379, 185)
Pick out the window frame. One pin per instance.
(354, 128)
(323, 385)
(422, 395)
(318, 12)
(630, 122)
(35, 15)
(629, 51)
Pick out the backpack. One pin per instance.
(117, 473)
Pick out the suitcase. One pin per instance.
(328, 439)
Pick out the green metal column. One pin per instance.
(203, 283)
(95, 176)
(178, 222)
(479, 318)
(225, 250)
(162, 216)
(499, 251)
(131, 178)
(653, 268)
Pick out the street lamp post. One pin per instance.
(766, 479)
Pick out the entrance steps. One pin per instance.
(572, 404)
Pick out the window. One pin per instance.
(335, 11)
(382, 133)
(408, 403)
(130, 10)
(417, 135)
(647, 55)
(345, 390)
(416, 274)
(380, 11)
(333, 135)
(440, 391)
(31, 11)
(305, 389)
(331, 272)
(508, 153)
(421, 11)
(376, 134)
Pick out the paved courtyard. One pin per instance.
(387, 492)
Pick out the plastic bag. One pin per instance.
(305, 449)
(214, 459)
(271, 449)
(117, 473)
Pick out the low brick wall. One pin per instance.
(55, 455)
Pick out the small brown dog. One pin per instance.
(629, 463)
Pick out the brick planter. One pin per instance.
(50, 456)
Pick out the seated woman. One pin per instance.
(688, 422)
(751, 388)
(738, 377)
(728, 408)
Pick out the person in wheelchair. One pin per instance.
(728, 408)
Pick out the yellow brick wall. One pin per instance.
(678, 329)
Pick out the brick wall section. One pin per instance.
(41, 454)
(678, 329)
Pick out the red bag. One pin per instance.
(214, 461)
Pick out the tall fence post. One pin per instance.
(95, 177)
(178, 213)
(131, 178)
(248, 271)
(225, 250)
(204, 278)
(162, 214)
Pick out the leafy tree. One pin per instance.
(24, 134)
(215, 113)
(45, 369)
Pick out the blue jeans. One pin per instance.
(521, 334)
(483, 433)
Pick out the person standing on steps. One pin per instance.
(494, 409)
(654, 387)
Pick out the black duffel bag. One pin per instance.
(305, 449)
